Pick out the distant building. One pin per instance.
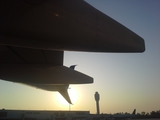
(41, 115)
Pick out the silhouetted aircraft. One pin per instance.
(34, 34)
(124, 116)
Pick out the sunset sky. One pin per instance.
(125, 81)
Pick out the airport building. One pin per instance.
(49, 115)
(46, 115)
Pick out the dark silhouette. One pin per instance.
(152, 114)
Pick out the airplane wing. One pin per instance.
(39, 68)
(34, 34)
(63, 25)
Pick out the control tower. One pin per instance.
(97, 98)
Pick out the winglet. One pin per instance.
(72, 66)
(65, 94)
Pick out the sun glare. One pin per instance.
(73, 96)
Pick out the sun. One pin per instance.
(73, 96)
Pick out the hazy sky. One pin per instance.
(124, 81)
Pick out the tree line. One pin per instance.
(153, 114)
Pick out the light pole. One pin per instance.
(69, 95)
